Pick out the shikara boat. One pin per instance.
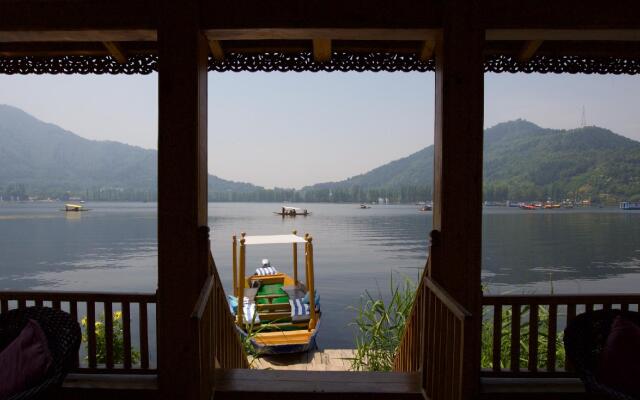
(74, 208)
(292, 212)
(277, 312)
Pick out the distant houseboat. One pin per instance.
(364, 206)
(629, 205)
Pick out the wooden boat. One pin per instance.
(528, 207)
(278, 313)
(74, 208)
(364, 206)
(426, 207)
(292, 212)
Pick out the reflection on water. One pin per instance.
(114, 248)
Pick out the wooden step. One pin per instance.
(308, 385)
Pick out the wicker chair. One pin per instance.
(63, 336)
(584, 339)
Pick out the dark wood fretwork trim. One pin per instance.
(301, 62)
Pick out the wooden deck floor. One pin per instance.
(318, 360)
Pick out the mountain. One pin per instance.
(523, 161)
(42, 158)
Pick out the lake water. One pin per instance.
(113, 247)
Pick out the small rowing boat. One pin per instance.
(278, 313)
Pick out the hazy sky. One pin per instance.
(294, 129)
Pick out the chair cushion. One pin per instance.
(25, 361)
(620, 357)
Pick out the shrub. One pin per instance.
(101, 341)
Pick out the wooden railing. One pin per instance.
(536, 323)
(433, 342)
(215, 333)
(100, 354)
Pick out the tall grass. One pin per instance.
(380, 326)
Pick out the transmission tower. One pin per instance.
(583, 119)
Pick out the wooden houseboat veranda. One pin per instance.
(199, 354)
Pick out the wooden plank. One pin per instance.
(540, 35)
(60, 296)
(322, 49)
(182, 185)
(427, 50)
(129, 35)
(533, 338)
(115, 50)
(576, 299)
(108, 334)
(216, 49)
(497, 336)
(529, 50)
(126, 333)
(91, 334)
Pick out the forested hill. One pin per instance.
(42, 159)
(522, 162)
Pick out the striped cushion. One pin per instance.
(264, 271)
(299, 310)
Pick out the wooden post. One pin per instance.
(182, 192)
(235, 265)
(295, 261)
(306, 260)
(458, 142)
(311, 292)
(241, 281)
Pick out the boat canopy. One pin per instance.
(293, 208)
(273, 239)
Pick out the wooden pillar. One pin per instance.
(182, 191)
(457, 212)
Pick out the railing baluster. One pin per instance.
(588, 307)
(22, 303)
(533, 337)
(624, 307)
(55, 304)
(126, 334)
(497, 336)
(515, 337)
(4, 305)
(39, 302)
(73, 310)
(144, 337)
(552, 335)
(108, 333)
(607, 306)
(91, 333)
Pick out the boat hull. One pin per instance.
(286, 348)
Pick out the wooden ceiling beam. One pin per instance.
(321, 50)
(427, 50)
(321, 33)
(631, 35)
(136, 35)
(216, 50)
(116, 52)
(529, 50)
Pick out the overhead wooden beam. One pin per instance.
(118, 35)
(115, 50)
(529, 50)
(564, 34)
(216, 50)
(321, 50)
(322, 33)
(427, 50)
